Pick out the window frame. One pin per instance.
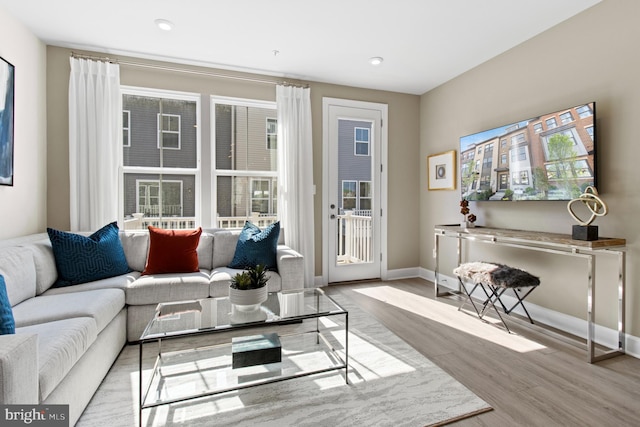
(162, 132)
(272, 134)
(217, 173)
(357, 142)
(127, 128)
(355, 196)
(196, 172)
(160, 198)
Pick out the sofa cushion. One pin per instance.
(172, 251)
(224, 247)
(16, 265)
(45, 263)
(81, 259)
(136, 247)
(7, 323)
(221, 278)
(102, 305)
(60, 346)
(117, 282)
(256, 247)
(204, 250)
(152, 289)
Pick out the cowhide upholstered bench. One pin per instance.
(495, 280)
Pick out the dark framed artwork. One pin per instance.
(7, 83)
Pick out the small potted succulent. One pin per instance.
(469, 218)
(248, 289)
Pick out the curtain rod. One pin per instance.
(184, 70)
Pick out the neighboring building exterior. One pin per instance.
(354, 169)
(159, 138)
(550, 156)
(246, 160)
(161, 164)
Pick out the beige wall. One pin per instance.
(23, 206)
(591, 57)
(403, 247)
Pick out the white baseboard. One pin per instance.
(570, 324)
(555, 319)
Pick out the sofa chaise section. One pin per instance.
(68, 337)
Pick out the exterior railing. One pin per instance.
(140, 221)
(261, 220)
(167, 210)
(355, 242)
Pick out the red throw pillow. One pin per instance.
(172, 251)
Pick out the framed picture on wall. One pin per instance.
(441, 171)
(6, 122)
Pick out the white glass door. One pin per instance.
(352, 206)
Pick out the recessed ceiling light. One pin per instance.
(163, 24)
(376, 60)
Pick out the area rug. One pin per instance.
(390, 384)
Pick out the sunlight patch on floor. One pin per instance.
(450, 316)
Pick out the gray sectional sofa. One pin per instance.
(67, 338)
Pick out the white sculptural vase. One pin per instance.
(247, 300)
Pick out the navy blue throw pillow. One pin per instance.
(7, 323)
(81, 259)
(256, 246)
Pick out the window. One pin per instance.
(568, 170)
(570, 135)
(150, 196)
(503, 159)
(503, 143)
(537, 127)
(160, 184)
(520, 178)
(356, 196)
(244, 176)
(551, 123)
(519, 153)
(584, 111)
(364, 197)
(517, 139)
(272, 134)
(349, 195)
(566, 117)
(263, 196)
(589, 130)
(361, 137)
(126, 126)
(169, 131)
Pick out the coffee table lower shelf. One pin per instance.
(183, 375)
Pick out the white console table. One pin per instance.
(553, 243)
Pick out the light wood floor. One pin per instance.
(530, 379)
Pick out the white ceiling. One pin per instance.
(424, 43)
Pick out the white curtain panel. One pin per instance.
(295, 173)
(95, 139)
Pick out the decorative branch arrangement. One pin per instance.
(464, 210)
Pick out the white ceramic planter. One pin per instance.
(247, 300)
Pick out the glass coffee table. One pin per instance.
(293, 334)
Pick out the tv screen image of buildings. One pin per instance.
(549, 157)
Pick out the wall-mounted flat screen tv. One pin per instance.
(549, 157)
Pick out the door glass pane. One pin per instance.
(354, 240)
